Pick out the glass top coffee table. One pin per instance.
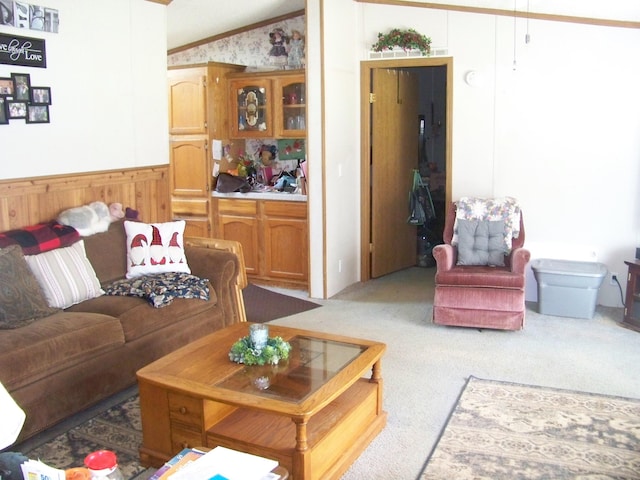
(314, 413)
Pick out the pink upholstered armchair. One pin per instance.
(479, 296)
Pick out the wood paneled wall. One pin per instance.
(26, 201)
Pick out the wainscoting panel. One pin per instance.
(26, 201)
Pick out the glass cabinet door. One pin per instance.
(251, 108)
(291, 119)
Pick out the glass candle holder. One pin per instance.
(259, 334)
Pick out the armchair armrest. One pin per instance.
(209, 258)
(445, 256)
(519, 258)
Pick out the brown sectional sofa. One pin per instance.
(66, 362)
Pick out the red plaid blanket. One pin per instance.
(40, 238)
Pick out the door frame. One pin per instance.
(365, 142)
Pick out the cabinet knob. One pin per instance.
(183, 410)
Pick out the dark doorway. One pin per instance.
(404, 129)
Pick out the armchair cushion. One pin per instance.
(480, 242)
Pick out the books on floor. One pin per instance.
(219, 463)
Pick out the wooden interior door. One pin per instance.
(394, 156)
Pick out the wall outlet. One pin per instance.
(613, 278)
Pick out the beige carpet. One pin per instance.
(426, 366)
(501, 430)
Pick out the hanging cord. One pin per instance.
(527, 37)
(514, 34)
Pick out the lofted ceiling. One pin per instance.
(189, 21)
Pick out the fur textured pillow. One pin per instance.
(155, 248)
(21, 298)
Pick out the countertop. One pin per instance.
(283, 196)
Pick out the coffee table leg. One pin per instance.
(300, 456)
(376, 377)
(301, 435)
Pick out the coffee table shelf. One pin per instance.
(335, 428)
(315, 418)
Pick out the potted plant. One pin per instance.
(406, 39)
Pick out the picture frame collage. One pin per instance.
(19, 100)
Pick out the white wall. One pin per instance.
(560, 132)
(107, 72)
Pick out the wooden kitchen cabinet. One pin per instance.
(290, 112)
(274, 238)
(197, 114)
(285, 240)
(251, 110)
(268, 105)
(238, 220)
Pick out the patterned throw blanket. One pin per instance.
(491, 209)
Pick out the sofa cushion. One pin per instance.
(160, 289)
(65, 275)
(481, 242)
(51, 344)
(155, 248)
(21, 298)
(40, 238)
(107, 252)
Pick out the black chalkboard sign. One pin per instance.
(24, 51)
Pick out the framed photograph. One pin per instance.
(37, 113)
(4, 119)
(16, 109)
(6, 87)
(21, 86)
(41, 95)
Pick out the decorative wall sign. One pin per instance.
(24, 15)
(24, 51)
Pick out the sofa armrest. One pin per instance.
(222, 262)
(445, 256)
(519, 259)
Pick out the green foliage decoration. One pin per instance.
(243, 351)
(407, 39)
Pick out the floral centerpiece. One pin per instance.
(405, 39)
(244, 351)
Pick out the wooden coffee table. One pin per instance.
(314, 413)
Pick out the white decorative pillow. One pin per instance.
(155, 248)
(65, 275)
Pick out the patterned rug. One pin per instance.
(502, 430)
(117, 428)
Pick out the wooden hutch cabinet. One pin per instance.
(268, 104)
(198, 102)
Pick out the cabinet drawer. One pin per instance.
(285, 209)
(186, 206)
(237, 207)
(184, 438)
(185, 409)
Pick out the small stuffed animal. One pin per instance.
(116, 211)
(131, 214)
(87, 219)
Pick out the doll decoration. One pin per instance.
(278, 52)
(296, 50)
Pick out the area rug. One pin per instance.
(263, 305)
(118, 429)
(501, 430)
